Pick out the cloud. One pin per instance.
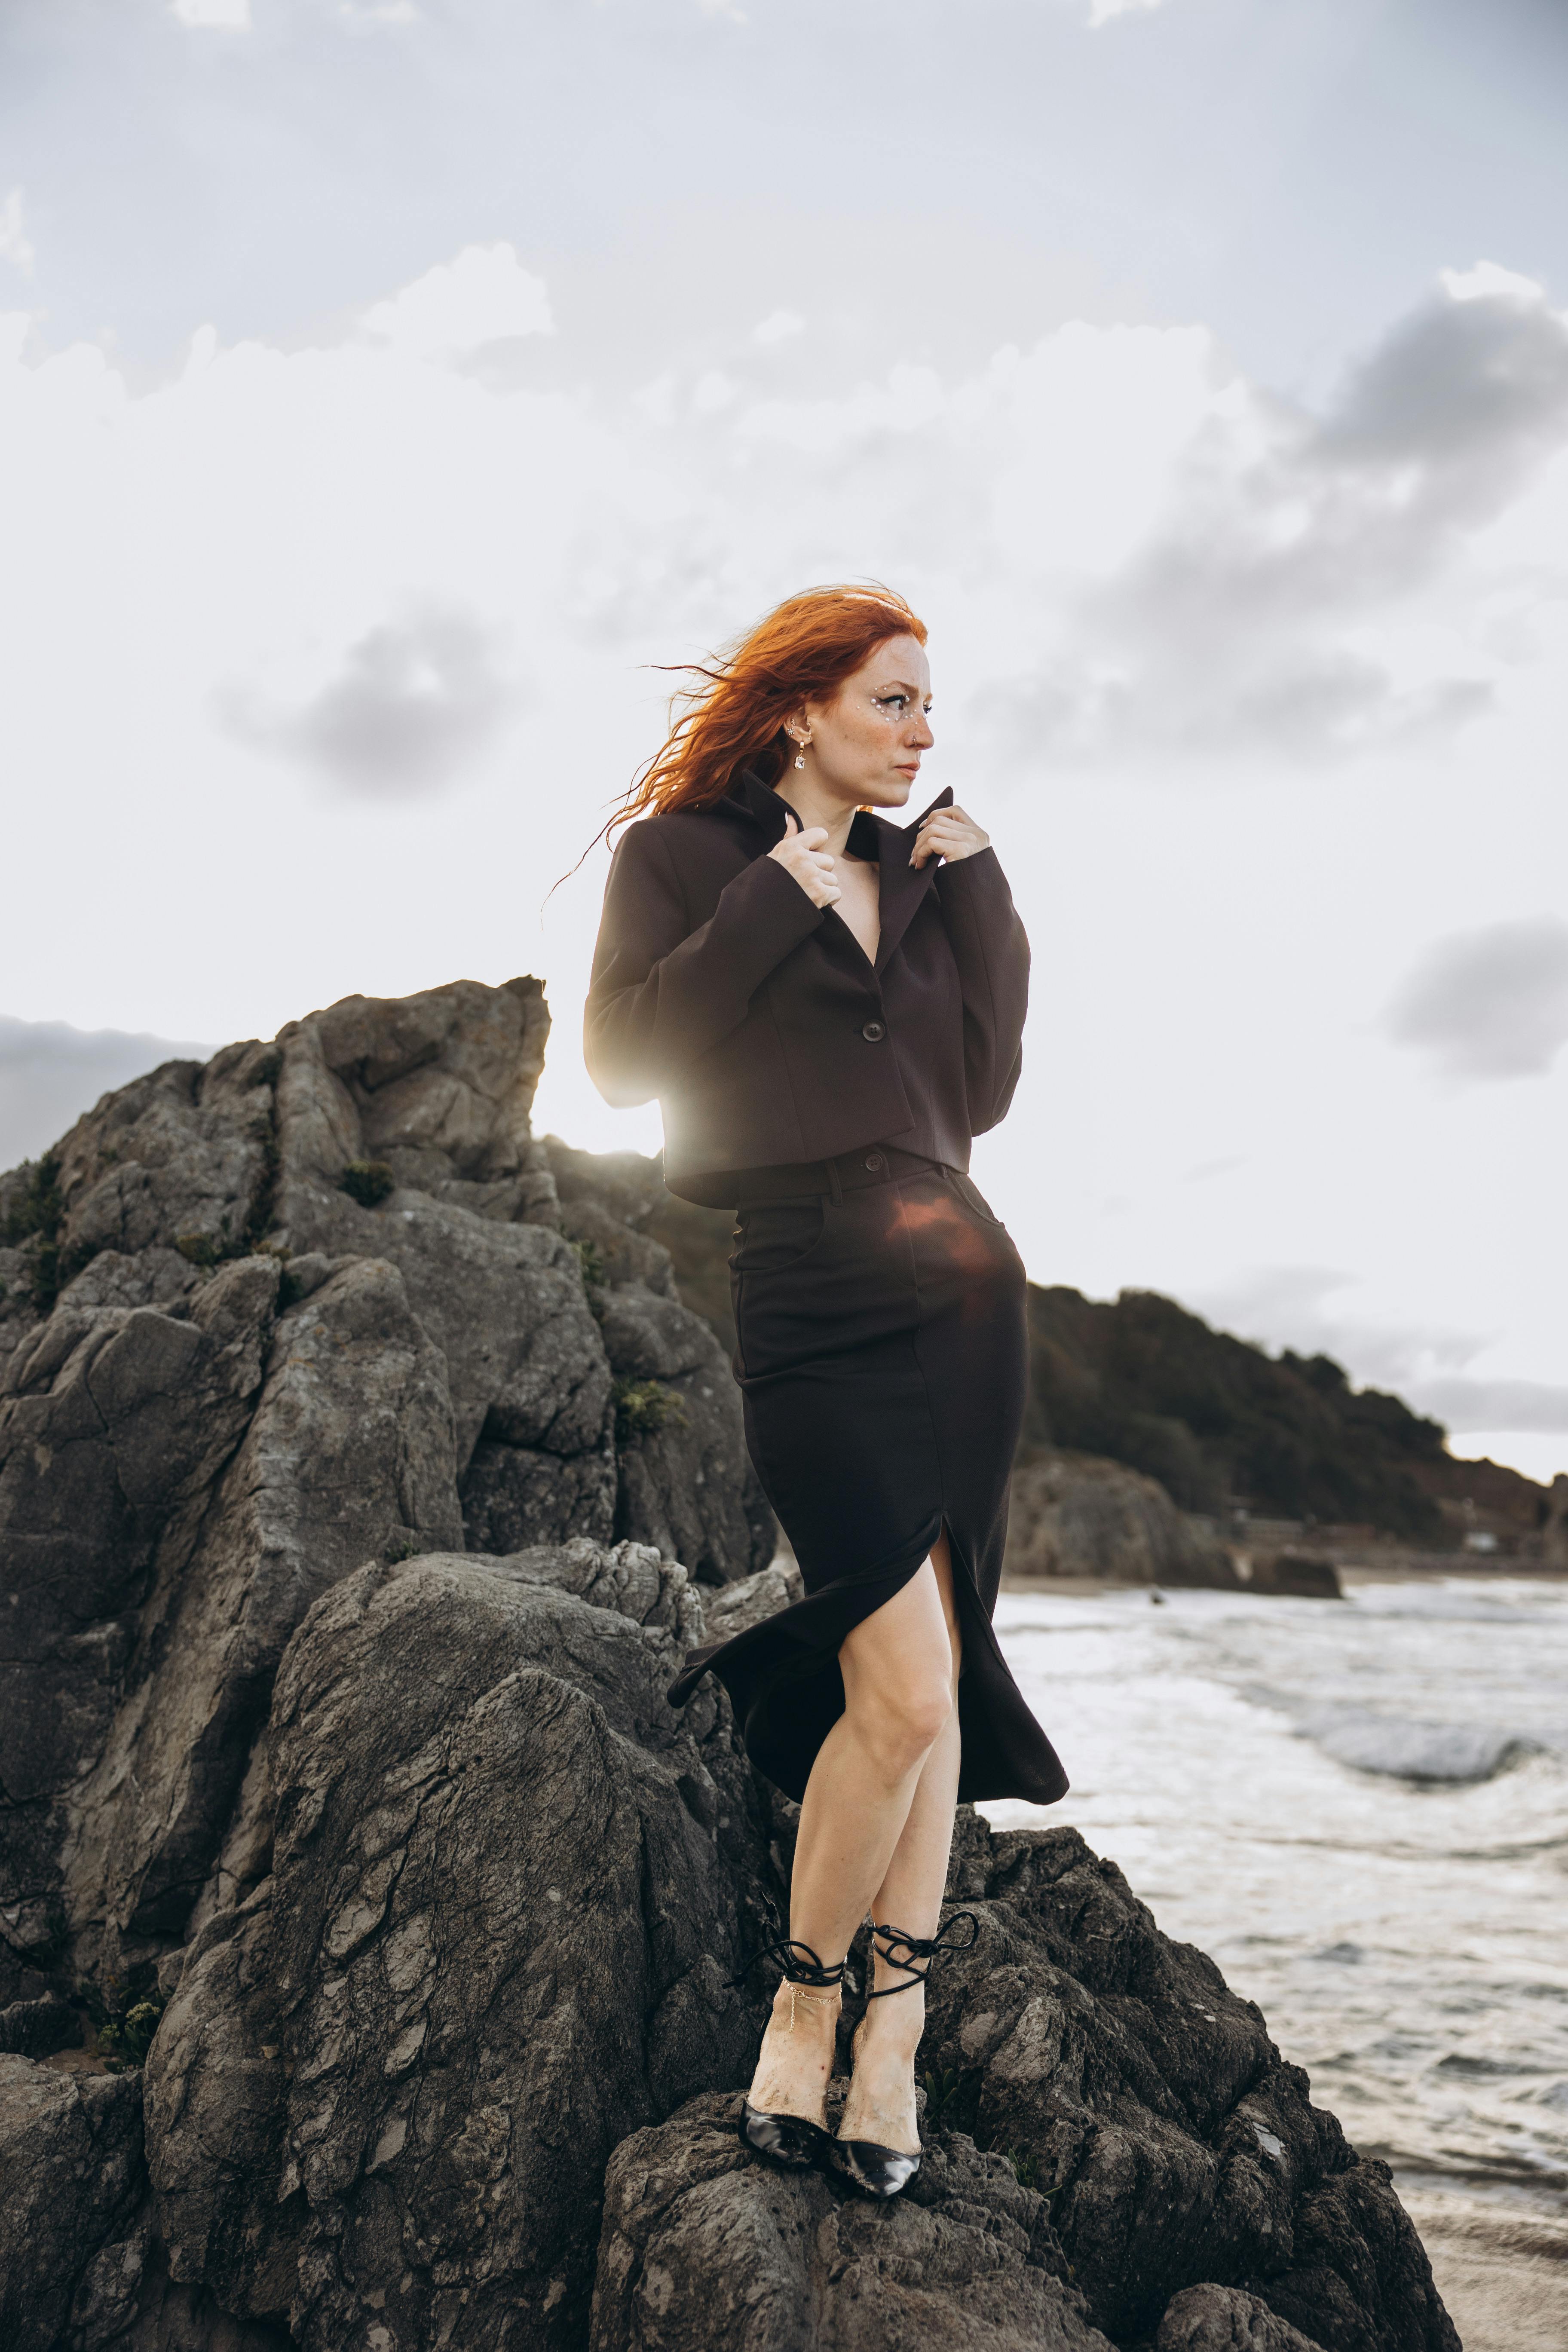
(1305, 1308)
(51, 1073)
(15, 247)
(1461, 1404)
(411, 707)
(221, 15)
(1165, 569)
(485, 296)
(1245, 625)
(1488, 1003)
(778, 327)
(1300, 1306)
(1101, 12)
(1463, 399)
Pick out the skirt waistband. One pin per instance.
(851, 1172)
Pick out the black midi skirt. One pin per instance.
(882, 1362)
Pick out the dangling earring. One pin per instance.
(800, 755)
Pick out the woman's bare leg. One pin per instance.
(881, 2102)
(871, 1830)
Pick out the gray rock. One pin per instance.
(1175, 2144)
(172, 2317)
(630, 1578)
(735, 1607)
(1073, 1514)
(34, 2029)
(505, 1304)
(616, 1251)
(114, 1429)
(188, 1153)
(447, 1075)
(71, 2179)
(1225, 2319)
(347, 1454)
(685, 1483)
(508, 1889)
(216, 2118)
(152, 1277)
(704, 2247)
(1307, 1576)
(626, 1184)
(650, 1336)
(514, 1496)
(438, 1087)
(162, 1522)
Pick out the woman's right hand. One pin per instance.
(806, 861)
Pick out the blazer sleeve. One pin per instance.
(663, 994)
(991, 951)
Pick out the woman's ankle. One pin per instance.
(795, 2064)
(800, 2008)
(893, 2027)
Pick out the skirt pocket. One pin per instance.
(772, 1237)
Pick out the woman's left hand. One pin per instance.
(948, 832)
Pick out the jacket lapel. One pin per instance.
(748, 797)
(901, 885)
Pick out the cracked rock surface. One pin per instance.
(703, 2246)
(507, 1887)
(72, 2175)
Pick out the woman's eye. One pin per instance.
(889, 701)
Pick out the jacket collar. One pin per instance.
(748, 796)
(901, 886)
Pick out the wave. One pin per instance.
(1451, 1753)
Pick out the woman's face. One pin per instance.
(867, 740)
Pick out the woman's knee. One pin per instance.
(902, 1723)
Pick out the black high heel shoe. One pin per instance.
(875, 2170)
(791, 2140)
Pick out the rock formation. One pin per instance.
(1073, 1514)
(316, 1303)
(361, 1478)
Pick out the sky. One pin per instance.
(387, 388)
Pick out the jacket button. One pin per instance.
(873, 1032)
(874, 1161)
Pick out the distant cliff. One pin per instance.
(1145, 1382)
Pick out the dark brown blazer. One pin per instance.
(758, 1021)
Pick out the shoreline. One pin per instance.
(1500, 2262)
(1426, 1570)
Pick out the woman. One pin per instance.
(829, 1007)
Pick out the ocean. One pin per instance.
(1360, 1808)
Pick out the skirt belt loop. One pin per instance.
(836, 1182)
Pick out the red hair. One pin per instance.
(734, 713)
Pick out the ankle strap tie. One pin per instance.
(809, 1971)
(888, 1942)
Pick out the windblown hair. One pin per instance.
(733, 714)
